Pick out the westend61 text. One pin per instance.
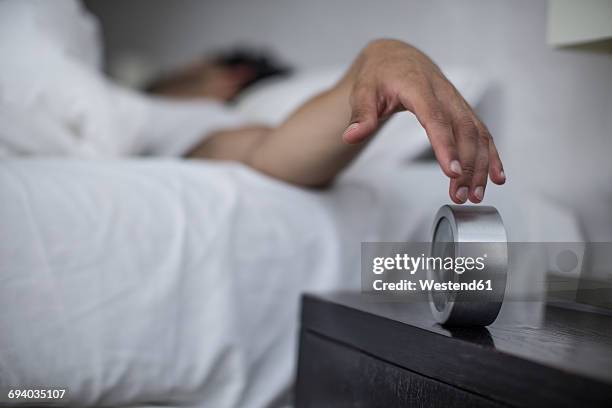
(432, 285)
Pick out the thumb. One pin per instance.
(364, 117)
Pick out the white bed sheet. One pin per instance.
(142, 282)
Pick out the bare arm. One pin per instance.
(322, 137)
(307, 149)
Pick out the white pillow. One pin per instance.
(50, 77)
(55, 101)
(65, 25)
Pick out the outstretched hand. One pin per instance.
(391, 76)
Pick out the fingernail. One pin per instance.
(462, 194)
(350, 129)
(479, 192)
(502, 174)
(455, 167)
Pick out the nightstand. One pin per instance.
(356, 351)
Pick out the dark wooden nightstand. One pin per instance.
(358, 352)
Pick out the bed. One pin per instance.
(166, 282)
(134, 282)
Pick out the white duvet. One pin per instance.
(157, 282)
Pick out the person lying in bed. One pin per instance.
(322, 137)
(72, 109)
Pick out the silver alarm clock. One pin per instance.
(469, 232)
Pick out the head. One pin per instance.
(220, 77)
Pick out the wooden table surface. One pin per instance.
(532, 354)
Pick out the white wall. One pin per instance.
(550, 110)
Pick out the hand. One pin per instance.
(390, 76)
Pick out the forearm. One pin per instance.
(232, 145)
(307, 149)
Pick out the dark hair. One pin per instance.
(263, 64)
